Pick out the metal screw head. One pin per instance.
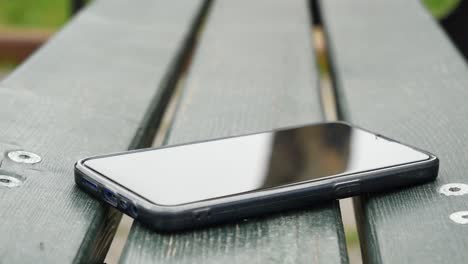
(9, 181)
(460, 217)
(455, 189)
(22, 156)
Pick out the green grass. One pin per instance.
(49, 14)
(440, 8)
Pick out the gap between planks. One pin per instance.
(163, 130)
(331, 111)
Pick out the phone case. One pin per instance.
(250, 204)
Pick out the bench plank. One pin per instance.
(398, 74)
(92, 89)
(254, 70)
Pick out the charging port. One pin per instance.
(123, 204)
(89, 184)
(110, 197)
(127, 207)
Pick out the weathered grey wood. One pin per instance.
(254, 70)
(88, 91)
(398, 74)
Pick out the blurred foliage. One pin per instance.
(33, 13)
(352, 237)
(53, 13)
(441, 8)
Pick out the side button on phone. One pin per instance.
(347, 189)
(201, 214)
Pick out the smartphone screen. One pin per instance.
(206, 170)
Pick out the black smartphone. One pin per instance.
(190, 185)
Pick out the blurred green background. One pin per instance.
(46, 14)
(51, 14)
(440, 8)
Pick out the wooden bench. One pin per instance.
(104, 84)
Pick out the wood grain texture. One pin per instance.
(399, 75)
(86, 92)
(254, 70)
